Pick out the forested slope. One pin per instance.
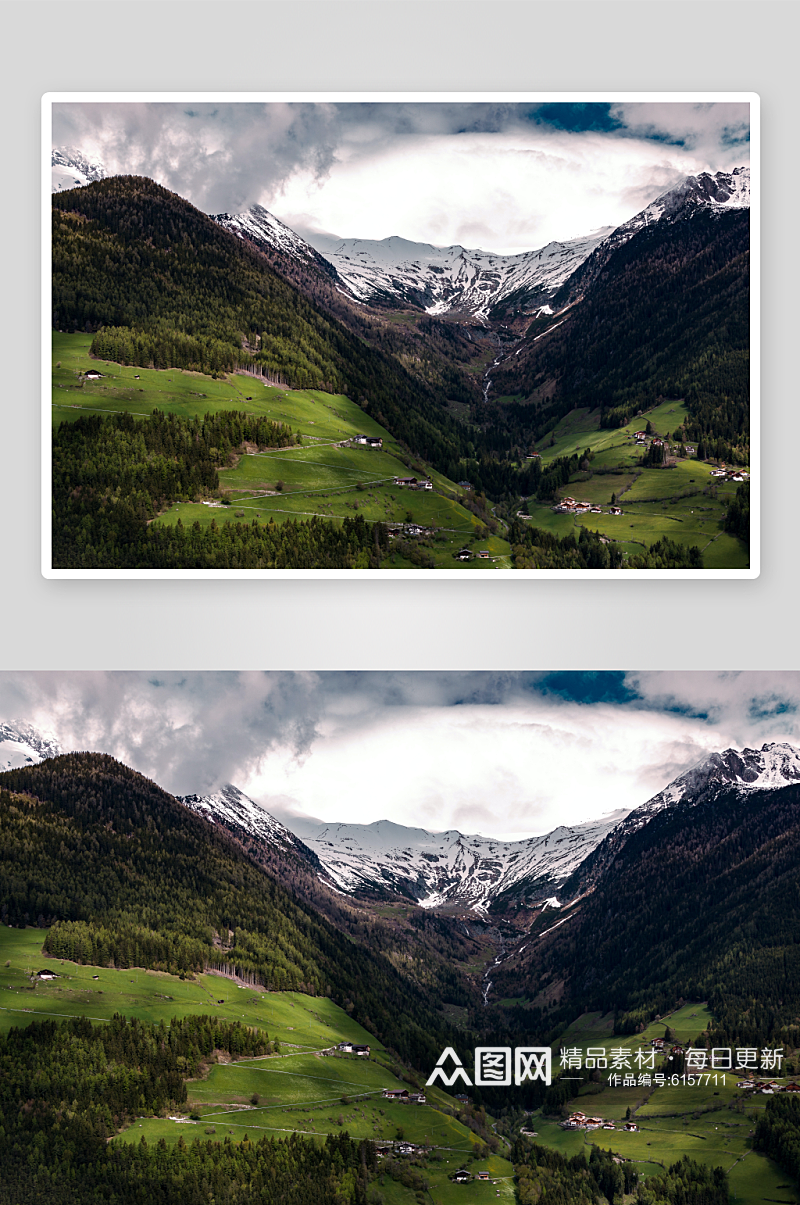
(124, 874)
(163, 284)
(700, 903)
(664, 315)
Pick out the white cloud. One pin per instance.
(506, 192)
(496, 753)
(478, 175)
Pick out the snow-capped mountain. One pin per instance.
(238, 812)
(775, 765)
(22, 745)
(767, 768)
(724, 190)
(260, 226)
(72, 169)
(720, 193)
(435, 869)
(467, 283)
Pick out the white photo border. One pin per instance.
(198, 97)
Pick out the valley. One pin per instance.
(517, 386)
(685, 500)
(300, 1090)
(210, 914)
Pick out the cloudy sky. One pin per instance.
(502, 176)
(504, 754)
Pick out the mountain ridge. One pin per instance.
(465, 283)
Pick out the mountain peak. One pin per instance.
(23, 745)
(72, 169)
(773, 765)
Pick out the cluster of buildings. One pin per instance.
(348, 1048)
(369, 441)
(730, 474)
(768, 1086)
(579, 1121)
(414, 483)
(408, 529)
(465, 1177)
(571, 506)
(404, 1096)
(399, 1148)
(466, 554)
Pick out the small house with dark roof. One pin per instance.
(92, 375)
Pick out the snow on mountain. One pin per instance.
(450, 279)
(238, 811)
(767, 768)
(448, 868)
(771, 766)
(22, 745)
(262, 227)
(725, 190)
(72, 169)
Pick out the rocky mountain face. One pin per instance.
(449, 869)
(72, 169)
(266, 231)
(22, 745)
(436, 870)
(770, 767)
(466, 284)
(238, 812)
(693, 896)
(722, 192)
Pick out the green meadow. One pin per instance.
(319, 477)
(304, 1022)
(712, 1123)
(298, 1090)
(682, 502)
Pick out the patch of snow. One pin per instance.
(72, 169)
(22, 745)
(446, 868)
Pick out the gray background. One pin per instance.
(420, 623)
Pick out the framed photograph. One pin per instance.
(382, 934)
(412, 335)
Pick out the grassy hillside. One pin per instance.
(324, 476)
(164, 285)
(684, 502)
(125, 875)
(292, 1091)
